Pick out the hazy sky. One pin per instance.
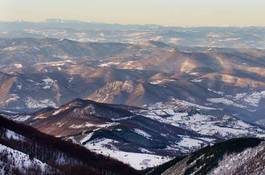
(165, 12)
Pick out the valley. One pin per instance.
(133, 102)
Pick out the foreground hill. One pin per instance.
(140, 137)
(25, 150)
(237, 156)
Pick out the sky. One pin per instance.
(163, 12)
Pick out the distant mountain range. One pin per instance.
(119, 99)
(222, 37)
(38, 73)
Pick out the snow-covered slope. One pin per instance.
(15, 162)
(25, 150)
(250, 161)
(244, 156)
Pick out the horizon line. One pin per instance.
(59, 20)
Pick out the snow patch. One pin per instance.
(48, 83)
(142, 133)
(109, 64)
(225, 101)
(189, 142)
(138, 161)
(13, 136)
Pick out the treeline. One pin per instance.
(65, 156)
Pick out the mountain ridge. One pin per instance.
(25, 135)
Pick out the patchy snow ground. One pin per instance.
(241, 100)
(252, 99)
(138, 161)
(222, 126)
(189, 142)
